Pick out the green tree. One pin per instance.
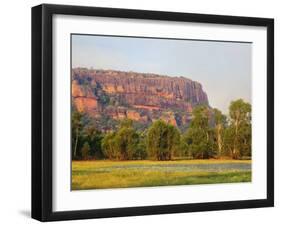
(140, 151)
(185, 151)
(109, 146)
(122, 144)
(220, 124)
(240, 126)
(126, 141)
(162, 140)
(77, 126)
(199, 137)
(94, 138)
(228, 143)
(198, 145)
(85, 150)
(173, 141)
(126, 123)
(246, 142)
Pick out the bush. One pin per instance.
(162, 140)
(85, 150)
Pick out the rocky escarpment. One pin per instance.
(108, 96)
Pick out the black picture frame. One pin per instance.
(42, 106)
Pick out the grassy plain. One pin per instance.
(97, 174)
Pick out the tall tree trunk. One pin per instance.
(76, 142)
(235, 149)
(219, 139)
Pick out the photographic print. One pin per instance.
(159, 112)
(139, 112)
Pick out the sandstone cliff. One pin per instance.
(117, 95)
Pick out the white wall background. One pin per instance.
(15, 119)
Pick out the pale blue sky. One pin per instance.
(223, 68)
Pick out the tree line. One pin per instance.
(211, 134)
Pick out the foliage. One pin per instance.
(162, 140)
(83, 131)
(101, 94)
(126, 141)
(76, 122)
(108, 146)
(140, 151)
(220, 125)
(211, 134)
(240, 129)
(198, 140)
(123, 144)
(85, 150)
(94, 138)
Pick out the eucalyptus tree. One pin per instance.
(220, 122)
(162, 140)
(240, 128)
(199, 136)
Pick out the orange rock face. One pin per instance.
(134, 115)
(83, 99)
(146, 107)
(85, 104)
(140, 97)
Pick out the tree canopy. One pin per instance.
(210, 134)
(198, 138)
(162, 140)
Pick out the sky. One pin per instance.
(223, 68)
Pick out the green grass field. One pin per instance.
(99, 174)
